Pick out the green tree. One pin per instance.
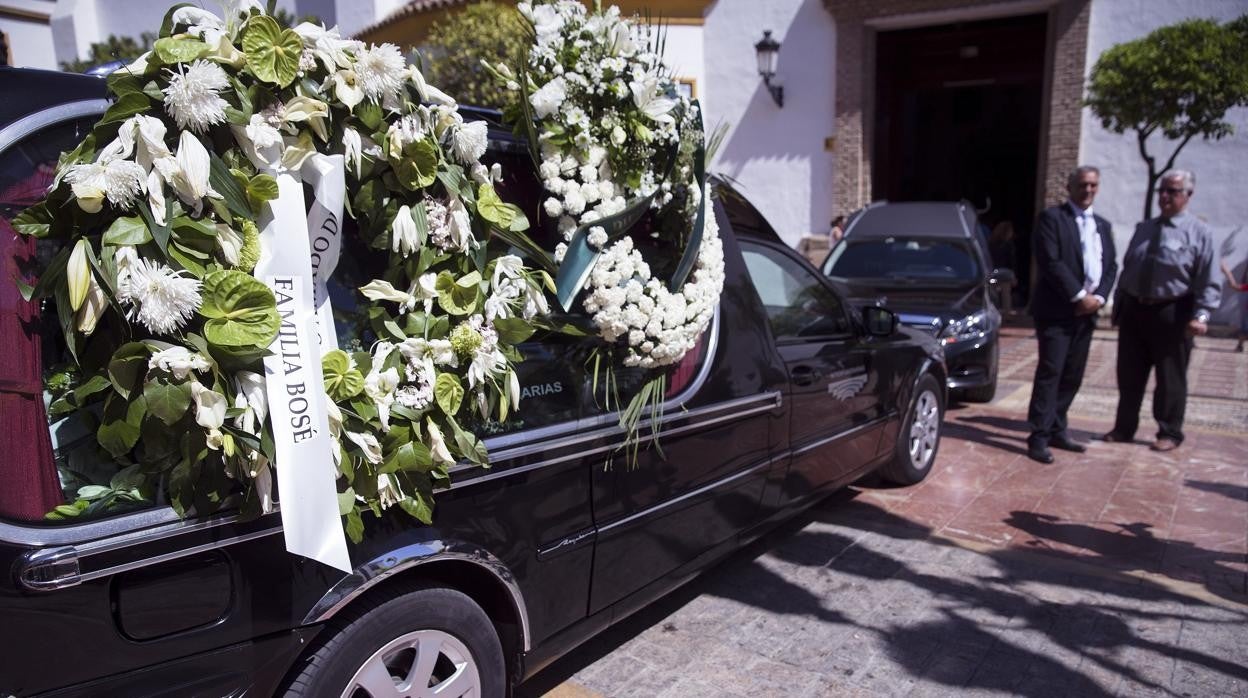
(456, 44)
(1179, 81)
(115, 48)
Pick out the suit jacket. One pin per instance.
(1058, 254)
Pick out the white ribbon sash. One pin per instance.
(306, 475)
(327, 175)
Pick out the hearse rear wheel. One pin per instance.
(427, 642)
(919, 438)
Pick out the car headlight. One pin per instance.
(973, 326)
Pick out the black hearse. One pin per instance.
(791, 394)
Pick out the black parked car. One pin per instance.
(789, 396)
(928, 262)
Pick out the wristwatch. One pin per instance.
(1202, 317)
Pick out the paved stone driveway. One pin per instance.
(1120, 572)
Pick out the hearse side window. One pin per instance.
(798, 304)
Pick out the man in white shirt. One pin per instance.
(1075, 270)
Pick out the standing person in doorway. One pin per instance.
(1075, 268)
(836, 231)
(1169, 290)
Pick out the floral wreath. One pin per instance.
(615, 141)
(177, 275)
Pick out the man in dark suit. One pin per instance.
(1075, 270)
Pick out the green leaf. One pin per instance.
(128, 230)
(346, 502)
(260, 189)
(242, 311)
(355, 526)
(342, 381)
(35, 221)
(223, 182)
(183, 50)
(160, 233)
(96, 384)
(449, 393)
(494, 210)
(125, 107)
(455, 297)
(370, 115)
(419, 166)
(513, 330)
(120, 424)
(272, 52)
(128, 367)
(470, 446)
(418, 508)
(167, 401)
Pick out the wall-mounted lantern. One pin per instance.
(768, 50)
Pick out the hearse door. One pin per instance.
(827, 372)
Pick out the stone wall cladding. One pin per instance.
(855, 75)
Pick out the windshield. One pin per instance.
(904, 259)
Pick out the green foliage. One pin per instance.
(241, 310)
(1178, 81)
(114, 48)
(457, 44)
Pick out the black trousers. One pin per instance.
(1153, 337)
(1063, 357)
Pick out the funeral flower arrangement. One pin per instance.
(190, 277)
(622, 158)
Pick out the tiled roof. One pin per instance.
(414, 7)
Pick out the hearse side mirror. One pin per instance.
(880, 322)
(1002, 275)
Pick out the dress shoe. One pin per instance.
(1040, 454)
(1163, 444)
(1068, 445)
(1114, 437)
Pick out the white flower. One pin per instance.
(250, 396)
(191, 97)
(200, 23)
(388, 492)
(460, 226)
(161, 299)
(379, 290)
(92, 308)
(404, 239)
(352, 149)
(506, 267)
(120, 181)
(209, 406)
(513, 389)
(554, 208)
(179, 362)
(437, 445)
(380, 385)
(549, 98)
(190, 180)
(156, 196)
(469, 141)
(380, 71)
(647, 98)
(368, 444)
(327, 45)
(347, 88)
(262, 133)
(597, 237)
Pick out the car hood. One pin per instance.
(926, 307)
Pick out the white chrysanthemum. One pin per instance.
(120, 181)
(191, 97)
(380, 71)
(161, 299)
(469, 141)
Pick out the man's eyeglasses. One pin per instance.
(1172, 191)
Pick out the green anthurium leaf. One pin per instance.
(272, 52)
(419, 167)
(448, 393)
(127, 230)
(120, 424)
(167, 401)
(242, 311)
(342, 381)
(492, 208)
(512, 330)
(179, 50)
(128, 367)
(454, 297)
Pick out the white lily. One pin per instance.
(437, 445)
(506, 267)
(78, 274)
(460, 226)
(209, 412)
(200, 23)
(190, 182)
(156, 196)
(178, 361)
(379, 290)
(647, 98)
(352, 149)
(262, 476)
(327, 45)
(388, 492)
(231, 243)
(368, 444)
(404, 237)
(261, 132)
(151, 140)
(335, 419)
(249, 396)
(92, 307)
(380, 385)
(313, 111)
(513, 390)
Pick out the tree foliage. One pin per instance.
(1178, 81)
(457, 43)
(114, 48)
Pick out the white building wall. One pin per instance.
(1221, 196)
(777, 154)
(684, 55)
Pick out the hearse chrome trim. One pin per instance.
(30, 123)
(842, 435)
(49, 569)
(371, 573)
(727, 479)
(734, 410)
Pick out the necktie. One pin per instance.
(1150, 261)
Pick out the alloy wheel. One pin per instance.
(924, 430)
(419, 664)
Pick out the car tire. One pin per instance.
(437, 636)
(919, 438)
(983, 393)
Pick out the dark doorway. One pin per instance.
(957, 116)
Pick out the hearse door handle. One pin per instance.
(49, 569)
(806, 375)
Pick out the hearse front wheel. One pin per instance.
(919, 438)
(426, 642)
